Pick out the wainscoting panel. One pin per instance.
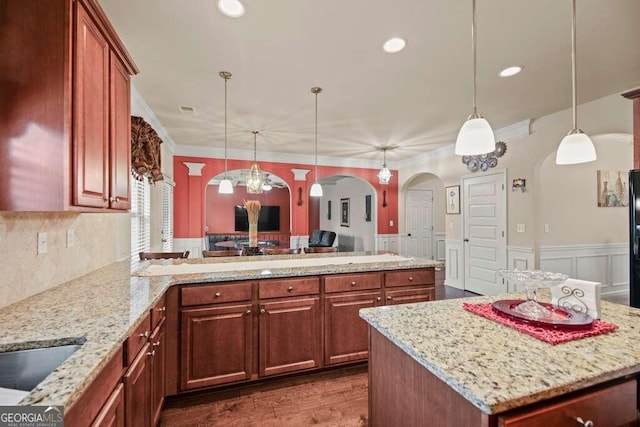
(390, 242)
(520, 258)
(606, 264)
(454, 264)
(194, 245)
(440, 251)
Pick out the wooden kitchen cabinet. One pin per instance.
(158, 368)
(137, 385)
(346, 335)
(405, 296)
(66, 108)
(112, 414)
(217, 345)
(289, 335)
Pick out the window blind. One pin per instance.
(140, 217)
(167, 216)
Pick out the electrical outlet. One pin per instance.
(42, 243)
(71, 237)
(391, 223)
(521, 228)
(546, 228)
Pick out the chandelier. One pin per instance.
(384, 175)
(255, 177)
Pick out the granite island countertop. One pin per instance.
(101, 309)
(497, 368)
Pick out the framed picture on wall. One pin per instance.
(367, 208)
(344, 212)
(452, 200)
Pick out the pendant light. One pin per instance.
(316, 188)
(384, 175)
(476, 135)
(576, 147)
(255, 178)
(225, 186)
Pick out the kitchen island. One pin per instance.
(437, 364)
(111, 312)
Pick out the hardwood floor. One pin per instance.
(330, 398)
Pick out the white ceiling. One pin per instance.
(415, 100)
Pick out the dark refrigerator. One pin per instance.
(634, 237)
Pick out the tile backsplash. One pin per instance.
(98, 239)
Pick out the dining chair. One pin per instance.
(280, 251)
(320, 249)
(163, 255)
(230, 252)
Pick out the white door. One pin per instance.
(485, 240)
(420, 223)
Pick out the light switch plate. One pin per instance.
(521, 228)
(42, 243)
(71, 237)
(546, 228)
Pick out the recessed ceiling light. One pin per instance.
(394, 45)
(510, 71)
(231, 8)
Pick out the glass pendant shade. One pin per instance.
(316, 190)
(384, 175)
(225, 186)
(475, 137)
(575, 148)
(254, 180)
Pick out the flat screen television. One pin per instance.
(268, 220)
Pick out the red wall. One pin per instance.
(219, 207)
(189, 197)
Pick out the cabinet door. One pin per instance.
(136, 390)
(216, 345)
(112, 414)
(158, 367)
(91, 114)
(289, 332)
(405, 296)
(120, 135)
(346, 335)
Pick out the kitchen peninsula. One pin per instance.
(136, 330)
(437, 364)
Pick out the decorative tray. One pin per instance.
(560, 318)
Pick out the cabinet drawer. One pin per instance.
(352, 282)
(404, 296)
(138, 339)
(409, 277)
(218, 293)
(288, 287)
(158, 312)
(612, 406)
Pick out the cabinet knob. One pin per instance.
(248, 311)
(151, 353)
(379, 299)
(114, 199)
(410, 279)
(290, 288)
(262, 311)
(162, 309)
(389, 298)
(218, 294)
(156, 344)
(587, 423)
(353, 283)
(144, 335)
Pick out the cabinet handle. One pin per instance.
(410, 279)
(587, 423)
(151, 353)
(353, 283)
(144, 335)
(162, 309)
(248, 311)
(379, 299)
(290, 288)
(389, 298)
(156, 344)
(262, 311)
(114, 199)
(218, 295)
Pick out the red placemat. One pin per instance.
(548, 335)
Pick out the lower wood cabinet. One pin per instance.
(217, 345)
(289, 335)
(346, 335)
(158, 370)
(137, 383)
(112, 413)
(406, 296)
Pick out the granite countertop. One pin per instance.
(100, 310)
(498, 368)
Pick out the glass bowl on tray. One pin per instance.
(532, 280)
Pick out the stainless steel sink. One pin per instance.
(25, 369)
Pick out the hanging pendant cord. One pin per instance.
(473, 48)
(254, 146)
(573, 68)
(316, 136)
(225, 128)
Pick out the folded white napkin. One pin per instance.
(580, 295)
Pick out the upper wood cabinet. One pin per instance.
(65, 119)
